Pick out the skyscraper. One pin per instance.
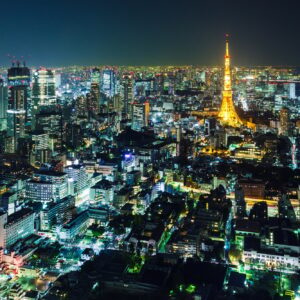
(228, 114)
(94, 97)
(292, 90)
(82, 105)
(284, 119)
(127, 91)
(3, 105)
(51, 122)
(19, 102)
(43, 88)
(108, 83)
(140, 115)
(73, 136)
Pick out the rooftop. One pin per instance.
(11, 219)
(50, 173)
(247, 226)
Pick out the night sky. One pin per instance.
(149, 32)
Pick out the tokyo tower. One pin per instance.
(227, 114)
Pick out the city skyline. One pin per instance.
(149, 150)
(57, 34)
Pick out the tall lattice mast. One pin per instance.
(228, 114)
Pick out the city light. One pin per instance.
(139, 161)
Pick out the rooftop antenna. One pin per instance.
(12, 59)
(227, 44)
(24, 62)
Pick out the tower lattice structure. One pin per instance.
(227, 114)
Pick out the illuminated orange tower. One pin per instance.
(227, 114)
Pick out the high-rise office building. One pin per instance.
(292, 90)
(127, 92)
(144, 87)
(108, 83)
(77, 174)
(40, 140)
(56, 213)
(116, 104)
(3, 105)
(140, 115)
(94, 97)
(73, 136)
(51, 122)
(19, 103)
(47, 186)
(57, 80)
(210, 126)
(43, 89)
(82, 105)
(39, 191)
(284, 119)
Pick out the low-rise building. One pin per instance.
(56, 212)
(16, 226)
(102, 193)
(74, 227)
(275, 259)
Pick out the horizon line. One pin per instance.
(155, 66)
